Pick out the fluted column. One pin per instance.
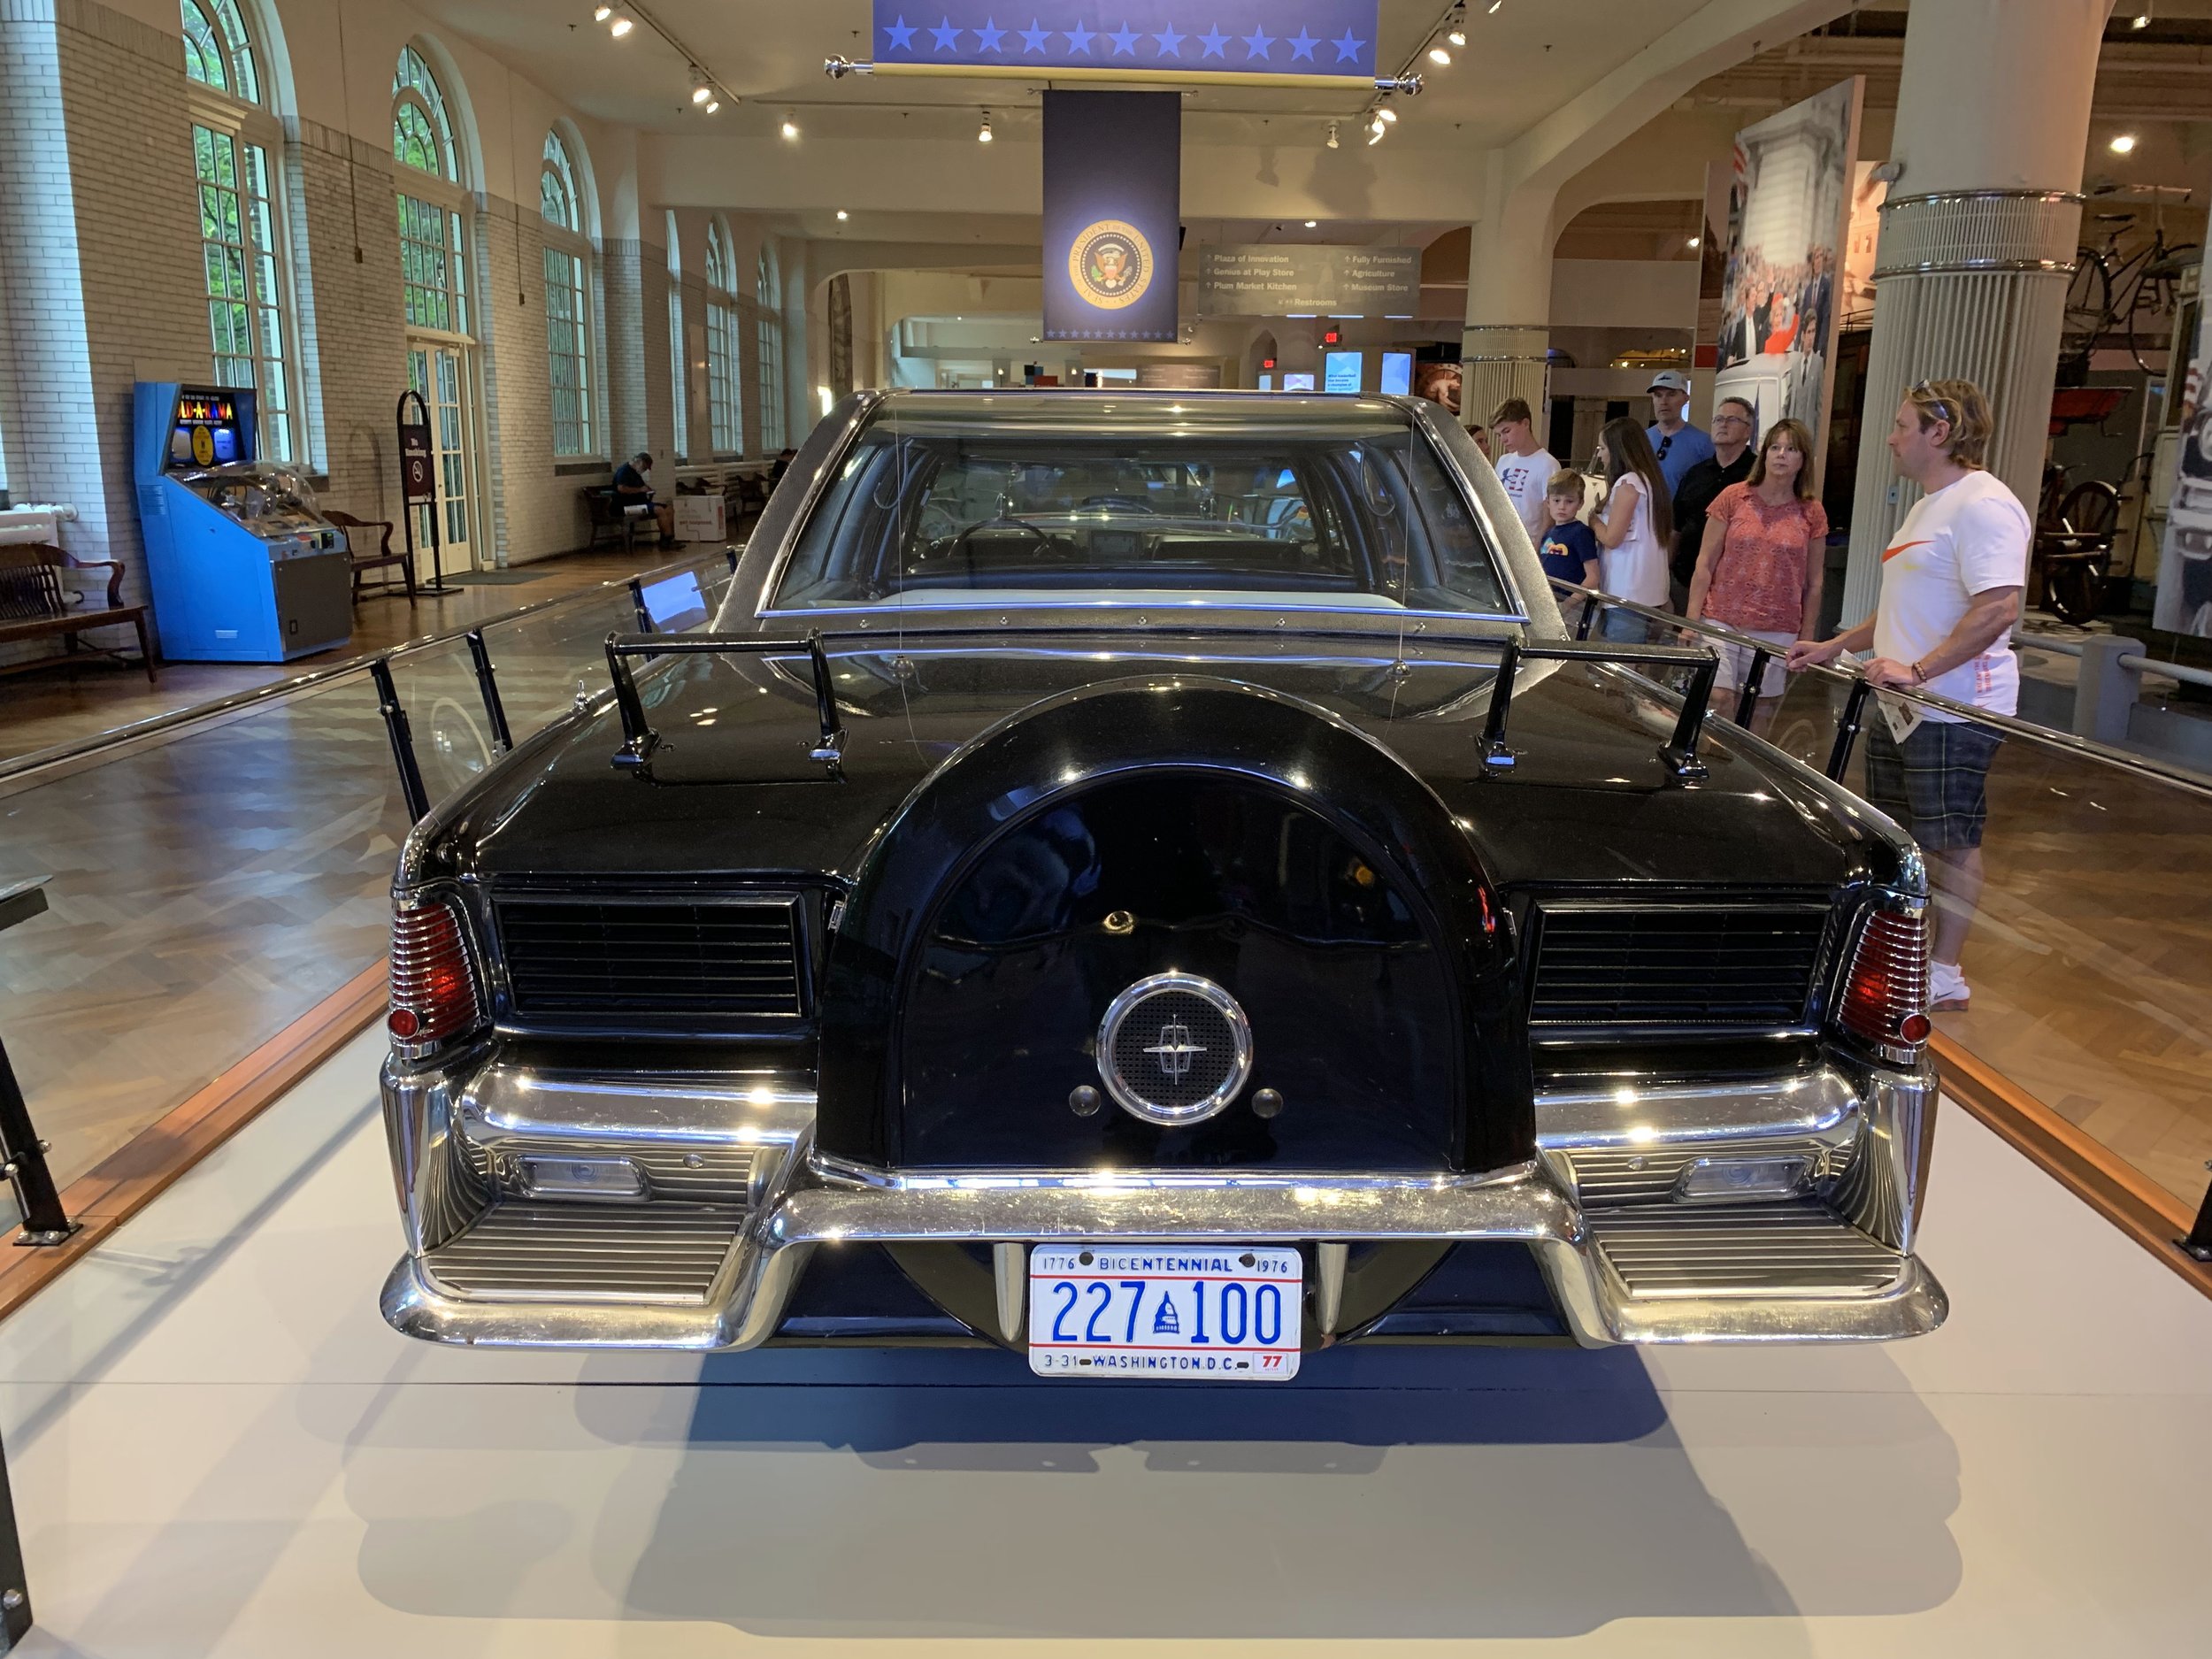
(1503, 352)
(1977, 237)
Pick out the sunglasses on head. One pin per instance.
(1924, 393)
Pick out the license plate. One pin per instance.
(1210, 1311)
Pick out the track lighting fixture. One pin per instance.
(1457, 34)
(842, 216)
(791, 123)
(621, 26)
(983, 133)
(713, 104)
(2122, 143)
(1439, 55)
(602, 14)
(1384, 112)
(1333, 135)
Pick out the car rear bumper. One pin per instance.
(706, 1253)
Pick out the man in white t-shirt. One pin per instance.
(1522, 468)
(1952, 577)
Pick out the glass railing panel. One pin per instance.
(2090, 957)
(204, 892)
(453, 735)
(2087, 951)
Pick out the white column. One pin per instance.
(1977, 238)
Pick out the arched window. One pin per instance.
(430, 230)
(723, 415)
(434, 204)
(768, 290)
(567, 300)
(242, 266)
(679, 358)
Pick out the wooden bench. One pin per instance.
(610, 518)
(34, 606)
(381, 560)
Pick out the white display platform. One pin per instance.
(218, 1448)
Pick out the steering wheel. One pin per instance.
(1127, 503)
(962, 543)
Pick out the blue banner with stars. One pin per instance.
(1139, 39)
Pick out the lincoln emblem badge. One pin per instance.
(1174, 1048)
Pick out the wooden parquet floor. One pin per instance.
(208, 889)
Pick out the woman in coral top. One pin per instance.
(1760, 569)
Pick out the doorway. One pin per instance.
(440, 373)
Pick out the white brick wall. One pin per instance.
(100, 286)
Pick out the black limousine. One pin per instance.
(1147, 879)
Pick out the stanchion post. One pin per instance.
(2198, 1245)
(1847, 730)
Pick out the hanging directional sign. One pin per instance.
(1144, 40)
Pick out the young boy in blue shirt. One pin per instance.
(1569, 548)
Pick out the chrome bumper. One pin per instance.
(1829, 1261)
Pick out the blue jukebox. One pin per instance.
(243, 566)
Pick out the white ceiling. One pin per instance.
(1524, 61)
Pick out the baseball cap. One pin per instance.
(1670, 379)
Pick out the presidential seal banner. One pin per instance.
(1113, 210)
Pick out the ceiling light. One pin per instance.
(621, 26)
(983, 133)
(2142, 19)
(1438, 55)
(713, 104)
(1332, 135)
(1375, 133)
(700, 95)
(1456, 27)
(1385, 113)
(1492, 9)
(1693, 242)
(602, 14)
(842, 216)
(1311, 223)
(2122, 142)
(791, 123)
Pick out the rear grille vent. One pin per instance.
(1733, 965)
(574, 956)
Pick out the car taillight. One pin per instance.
(433, 987)
(1886, 997)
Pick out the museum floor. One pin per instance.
(217, 1447)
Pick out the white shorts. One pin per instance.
(1735, 663)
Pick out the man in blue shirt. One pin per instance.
(1678, 445)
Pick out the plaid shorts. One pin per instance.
(1936, 782)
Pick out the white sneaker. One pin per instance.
(1947, 987)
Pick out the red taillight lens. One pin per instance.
(433, 987)
(1886, 997)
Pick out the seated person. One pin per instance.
(632, 489)
(784, 459)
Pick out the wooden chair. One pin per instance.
(364, 561)
(610, 518)
(34, 604)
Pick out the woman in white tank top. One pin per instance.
(1633, 562)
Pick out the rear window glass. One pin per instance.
(921, 516)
